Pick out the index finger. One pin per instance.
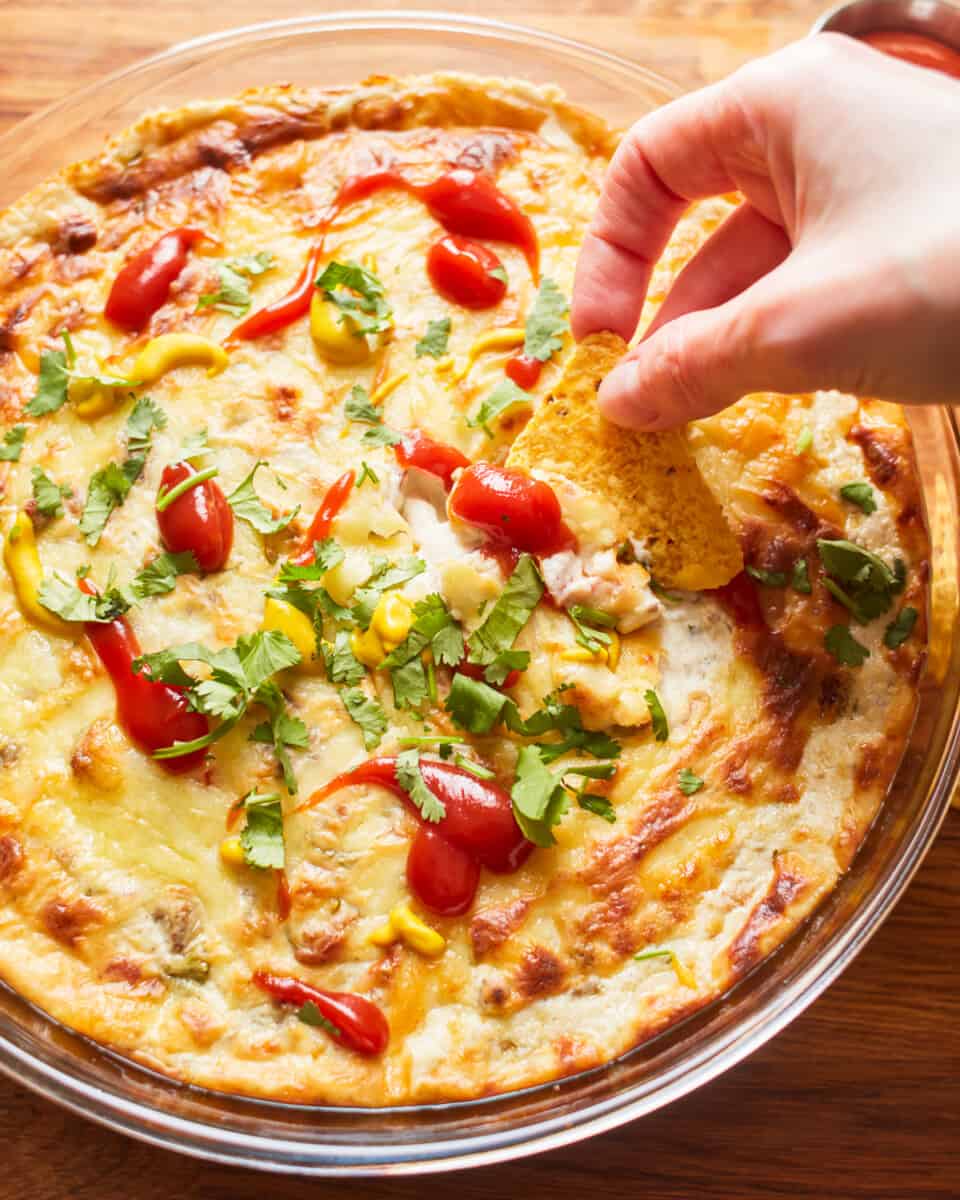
(703, 144)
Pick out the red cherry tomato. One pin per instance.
(200, 520)
(478, 825)
(358, 1023)
(154, 714)
(442, 877)
(417, 450)
(524, 370)
(468, 202)
(143, 284)
(475, 671)
(513, 509)
(330, 505)
(917, 49)
(463, 273)
(289, 308)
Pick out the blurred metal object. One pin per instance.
(934, 18)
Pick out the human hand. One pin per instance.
(841, 269)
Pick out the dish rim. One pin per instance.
(718, 1053)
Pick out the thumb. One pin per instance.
(702, 361)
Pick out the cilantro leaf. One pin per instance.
(47, 495)
(511, 611)
(13, 444)
(800, 578)
(63, 597)
(767, 578)
(546, 323)
(280, 730)
(564, 719)
(342, 664)
(233, 294)
(384, 576)
(367, 713)
(434, 627)
(145, 417)
(804, 440)
(309, 1014)
(858, 579)
(264, 653)
(434, 341)
(539, 798)
(411, 684)
(844, 647)
(410, 778)
(326, 555)
(248, 507)
(861, 494)
(358, 294)
(381, 435)
(599, 805)
(107, 490)
(357, 407)
(262, 835)
(661, 730)
(195, 445)
(504, 397)
(51, 393)
(688, 782)
(583, 618)
(900, 628)
(160, 576)
(474, 705)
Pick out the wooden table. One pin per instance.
(859, 1097)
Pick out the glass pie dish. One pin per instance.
(341, 1141)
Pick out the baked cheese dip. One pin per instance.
(378, 725)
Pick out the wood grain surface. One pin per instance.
(859, 1097)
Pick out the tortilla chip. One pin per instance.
(651, 479)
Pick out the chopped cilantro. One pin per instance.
(410, 778)
(599, 805)
(434, 341)
(861, 494)
(513, 608)
(539, 798)
(248, 507)
(505, 397)
(309, 1014)
(499, 272)
(51, 393)
(474, 705)
(262, 835)
(280, 730)
(359, 295)
(585, 621)
(804, 440)
(800, 577)
(366, 472)
(767, 578)
(844, 647)
(145, 417)
(858, 579)
(380, 435)
(107, 490)
(13, 444)
(342, 664)
(233, 294)
(357, 407)
(367, 713)
(47, 495)
(160, 576)
(688, 782)
(546, 323)
(61, 596)
(900, 628)
(661, 730)
(384, 576)
(475, 768)
(564, 719)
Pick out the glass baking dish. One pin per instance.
(342, 48)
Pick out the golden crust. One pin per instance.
(118, 915)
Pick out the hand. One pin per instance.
(841, 269)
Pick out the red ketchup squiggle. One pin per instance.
(415, 449)
(477, 830)
(464, 201)
(515, 511)
(357, 1022)
(330, 505)
(144, 281)
(466, 273)
(287, 309)
(154, 714)
(524, 370)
